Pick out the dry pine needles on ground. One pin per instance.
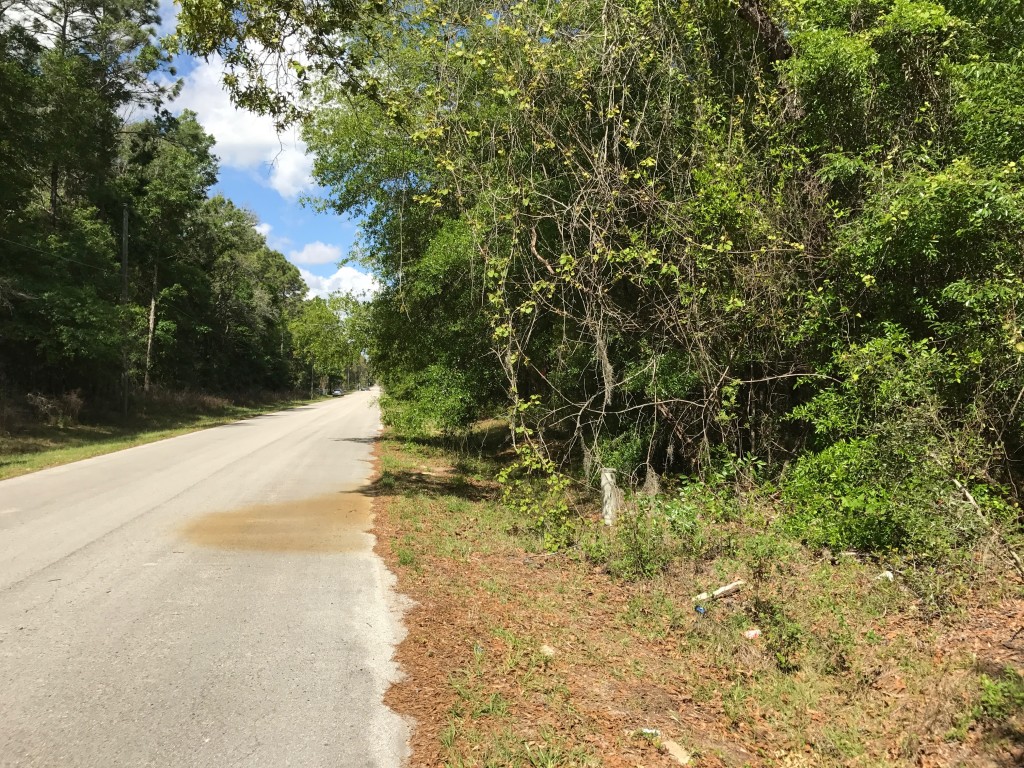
(518, 657)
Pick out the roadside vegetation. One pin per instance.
(764, 260)
(596, 654)
(731, 250)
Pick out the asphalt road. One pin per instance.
(208, 600)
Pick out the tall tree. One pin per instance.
(201, 300)
(172, 168)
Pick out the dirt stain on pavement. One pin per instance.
(337, 522)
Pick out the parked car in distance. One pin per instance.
(337, 393)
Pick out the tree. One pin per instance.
(428, 335)
(322, 332)
(271, 50)
(202, 300)
(227, 317)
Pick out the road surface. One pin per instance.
(208, 600)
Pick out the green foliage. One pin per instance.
(840, 502)
(1002, 697)
(785, 638)
(203, 303)
(534, 489)
(1000, 700)
(260, 43)
(437, 399)
(327, 336)
(641, 546)
(625, 452)
(765, 554)
(882, 482)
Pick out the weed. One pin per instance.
(650, 735)
(784, 637)
(999, 700)
(552, 753)
(450, 734)
(1001, 697)
(765, 554)
(519, 649)
(535, 490)
(595, 544)
(390, 464)
(842, 743)
(405, 555)
(493, 587)
(641, 547)
(940, 588)
(734, 703)
(494, 705)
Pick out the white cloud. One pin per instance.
(245, 141)
(315, 253)
(263, 228)
(168, 10)
(346, 279)
(292, 172)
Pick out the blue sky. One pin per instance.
(268, 174)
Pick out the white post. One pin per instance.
(611, 495)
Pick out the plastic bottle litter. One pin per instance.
(700, 609)
(752, 634)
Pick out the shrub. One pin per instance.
(438, 399)
(535, 490)
(60, 411)
(889, 445)
(626, 453)
(641, 546)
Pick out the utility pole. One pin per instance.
(124, 310)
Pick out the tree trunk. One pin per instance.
(152, 330)
(54, 197)
(768, 32)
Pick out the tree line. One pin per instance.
(119, 268)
